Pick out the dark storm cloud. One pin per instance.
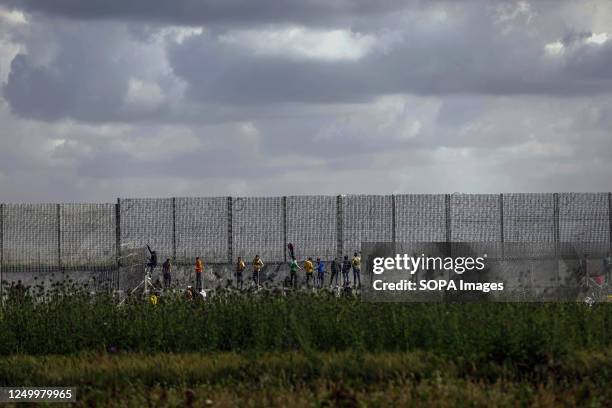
(467, 57)
(244, 97)
(592, 63)
(81, 81)
(198, 12)
(467, 52)
(216, 72)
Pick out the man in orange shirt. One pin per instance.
(199, 268)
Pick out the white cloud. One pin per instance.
(387, 119)
(506, 12)
(9, 21)
(180, 34)
(15, 17)
(514, 16)
(597, 38)
(534, 148)
(303, 42)
(559, 47)
(143, 95)
(55, 143)
(554, 48)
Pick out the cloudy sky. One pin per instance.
(102, 99)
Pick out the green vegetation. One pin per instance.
(313, 379)
(70, 321)
(301, 349)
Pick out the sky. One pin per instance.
(102, 99)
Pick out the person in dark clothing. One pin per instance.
(607, 266)
(335, 271)
(291, 250)
(346, 267)
(584, 266)
(152, 264)
(166, 273)
(356, 264)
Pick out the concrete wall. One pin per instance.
(539, 274)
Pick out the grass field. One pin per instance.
(307, 350)
(314, 379)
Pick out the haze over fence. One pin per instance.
(218, 229)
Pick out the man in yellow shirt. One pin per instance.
(240, 266)
(309, 269)
(257, 267)
(199, 268)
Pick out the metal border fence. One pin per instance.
(51, 237)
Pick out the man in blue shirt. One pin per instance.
(320, 273)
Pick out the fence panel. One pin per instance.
(584, 218)
(420, 217)
(201, 229)
(475, 218)
(529, 218)
(85, 236)
(366, 218)
(88, 235)
(311, 226)
(148, 221)
(30, 237)
(258, 228)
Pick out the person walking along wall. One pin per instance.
(356, 264)
(240, 267)
(166, 268)
(199, 268)
(257, 267)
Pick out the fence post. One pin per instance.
(610, 220)
(284, 215)
(58, 208)
(1, 253)
(447, 212)
(339, 227)
(501, 225)
(230, 237)
(118, 231)
(447, 216)
(393, 239)
(173, 229)
(556, 233)
(556, 226)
